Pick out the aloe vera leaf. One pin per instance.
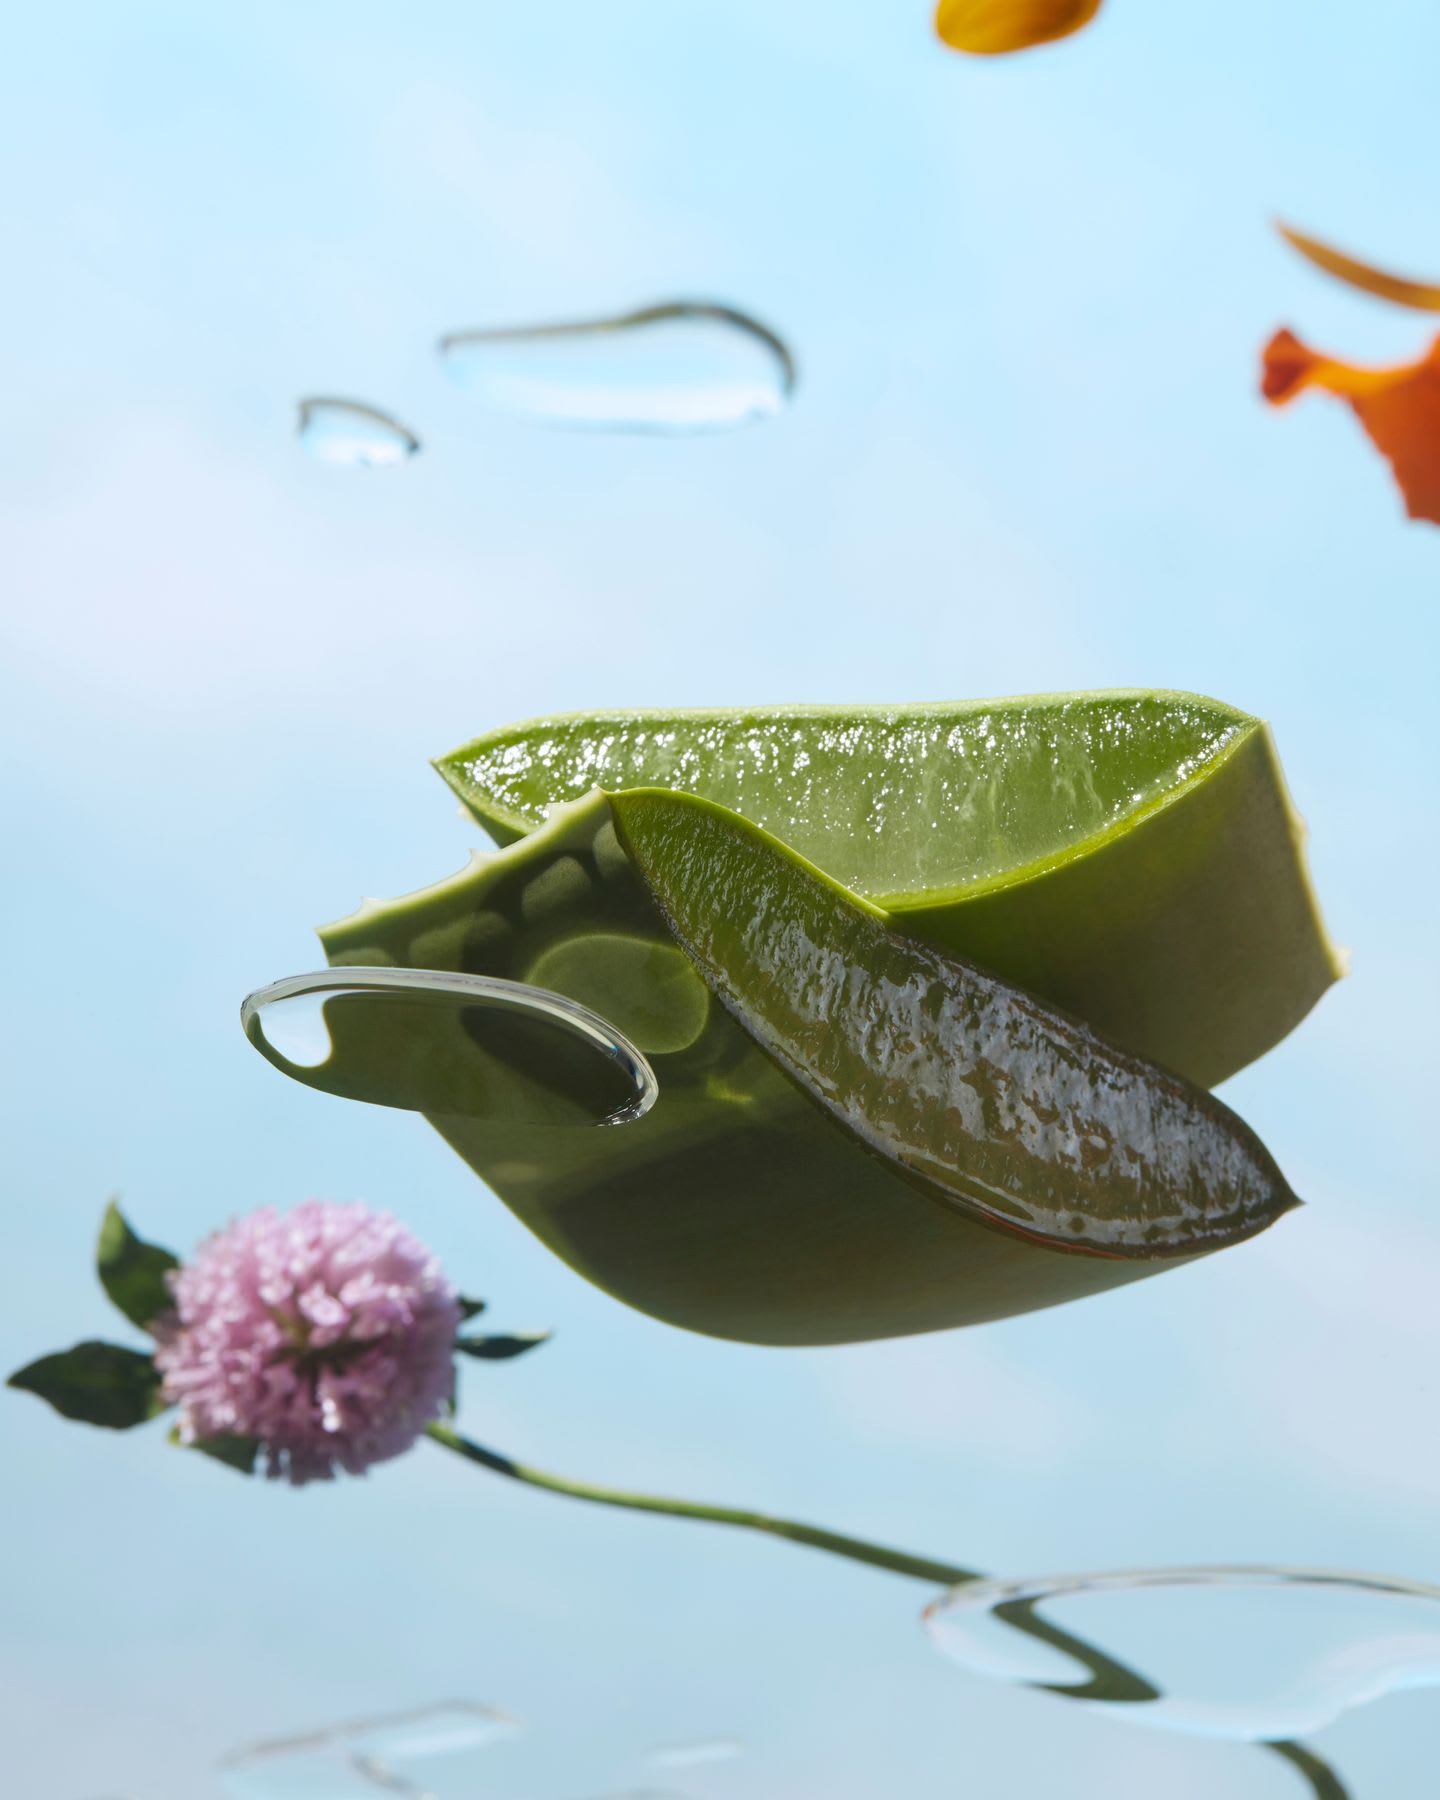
(734, 1207)
(1132, 856)
(990, 1099)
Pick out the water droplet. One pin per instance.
(404, 1753)
(1246, 1653)
(354, 436)
(689, 1756)
(427, 1040)
(427, 1749)
(685, 366)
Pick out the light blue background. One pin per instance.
(1027, 298)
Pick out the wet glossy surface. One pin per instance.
(887, 800)
(1132, 857)
(993, 1101)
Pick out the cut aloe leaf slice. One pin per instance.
(986, 1097)
(737, 1205)
(1131, 856)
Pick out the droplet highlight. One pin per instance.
(428, 1040)
(681, 367)
(354, 436)
(1254, 1654)
(695, 1755)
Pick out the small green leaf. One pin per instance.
(502, 1346)
(235, 1452)
(97, 1383)
(133, 1272)
(470, 1309)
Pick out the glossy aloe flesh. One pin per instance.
(1132, 856)
(860, 1133)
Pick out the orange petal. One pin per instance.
(1424, 296)
(1399, 408)
(994, 27)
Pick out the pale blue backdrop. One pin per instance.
(1027, 298)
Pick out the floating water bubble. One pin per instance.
(410, 1753)
(427, 1040)
(354, 436)
(685, 366)
(692, 1755)
(1249, 1653)
(428, 1750)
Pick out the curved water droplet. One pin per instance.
(427, 1040)
(684, 366)
(354, 436)
(399, 1753)
(1254, 1654)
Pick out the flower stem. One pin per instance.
(856, 1549)
(1108, 1680)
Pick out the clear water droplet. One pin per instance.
(427, 1040)
(693, 1755)
(354, 436)
(1246, 1653)
(685, 366)
(430, 1750)
(416, 1754)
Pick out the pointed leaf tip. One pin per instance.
(502, 1346)
(95, 1383)
(133, 1272)
(238, 1453)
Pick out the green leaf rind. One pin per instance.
(133, 1272)
(95, 1383)
(1130, 855)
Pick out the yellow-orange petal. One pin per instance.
(1424, 296)
(1399, 408)
(996, 27)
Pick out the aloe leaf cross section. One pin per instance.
(887, 1131)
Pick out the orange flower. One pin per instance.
(994, 27)
(1399, 408)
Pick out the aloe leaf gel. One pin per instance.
(830, 1194)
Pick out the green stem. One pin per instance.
(1108, 1680)
(1325, 1784)
(876, 1555)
